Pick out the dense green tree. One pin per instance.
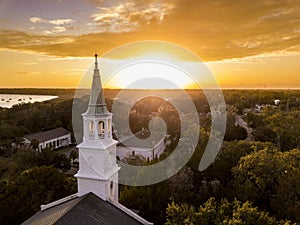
(293, 133)
(254, 120)
(34, 187)
(39, 116)
(270, 178)
(181, 186)
(180, 214)
(149, 201)
(223, 213)
(46, 157)
(10, 134)
(34, 144)
(279, 123)
(233, 131)
(286, 126)
(73, 155)
(264, 134)
(196, 158)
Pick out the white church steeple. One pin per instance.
(98, 170)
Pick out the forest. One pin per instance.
(251, 181)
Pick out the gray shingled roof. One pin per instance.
(47, 135)
(88, 209)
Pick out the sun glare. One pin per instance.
(149, 75)
(151, 65)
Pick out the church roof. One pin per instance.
(87, 209)
(47, 135)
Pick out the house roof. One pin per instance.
(147, 143)
(47, 135)
(87, 209)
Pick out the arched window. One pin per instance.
(101, 130)
(91, 127)
(91, 130)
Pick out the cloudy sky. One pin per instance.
(245, 43)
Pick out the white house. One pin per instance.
(134, 149)
(56, 138)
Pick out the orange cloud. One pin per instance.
(215, 30)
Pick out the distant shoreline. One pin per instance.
(10, 100)
(66, 94)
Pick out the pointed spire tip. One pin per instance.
(96, 60)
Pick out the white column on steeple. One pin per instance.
(98, 170)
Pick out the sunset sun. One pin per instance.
(152, 64)
(147, 74)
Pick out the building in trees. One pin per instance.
(55, 138)
(133, 148)
(96, 201)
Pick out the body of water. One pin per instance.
(8, 100)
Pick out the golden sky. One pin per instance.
(245, 43)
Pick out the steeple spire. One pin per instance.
(97, 105)
(96, 61)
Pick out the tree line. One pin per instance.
(248, 183)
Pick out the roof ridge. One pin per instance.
(59, 201)
(54, 204)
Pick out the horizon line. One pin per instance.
(151, 89)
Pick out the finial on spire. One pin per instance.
(96, 62)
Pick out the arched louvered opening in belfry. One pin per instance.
(91, 130)
(109, 127)
(101, 130)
